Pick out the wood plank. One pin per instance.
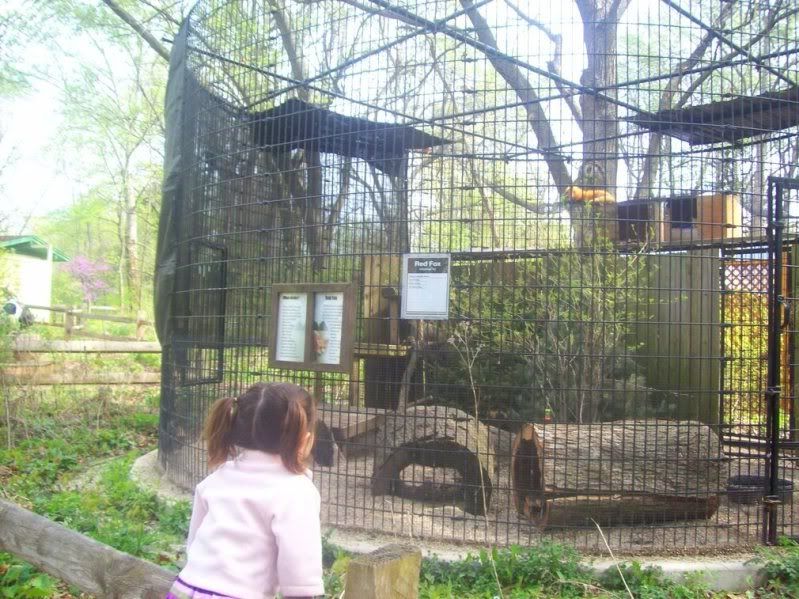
(84, 346)
(379, 271)
(680, 351)
(381, 350)
(346, 422)
(35, 379)
(78, 560)
(91, 315)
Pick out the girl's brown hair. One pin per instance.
(270, 417)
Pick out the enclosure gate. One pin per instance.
(779, 317)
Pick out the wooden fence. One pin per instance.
(74, 321)
(30, 370)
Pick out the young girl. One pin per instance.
(255, 523)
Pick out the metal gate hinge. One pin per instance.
(773, 391)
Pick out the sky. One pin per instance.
(36, 181)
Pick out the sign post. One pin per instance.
(425, 286)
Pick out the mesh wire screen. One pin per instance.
(598, 177)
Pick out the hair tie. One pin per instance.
(234, 407)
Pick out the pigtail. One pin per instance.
(218, 428)
(292, 435)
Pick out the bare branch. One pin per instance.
(554, 64)
(503, 192)
(524, 90)
(138, 28)
(283, 25)
(164, 12)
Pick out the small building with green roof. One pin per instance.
(26, 273)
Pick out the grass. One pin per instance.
(64, 436)
(56, 444)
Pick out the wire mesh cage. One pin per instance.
(535, 261)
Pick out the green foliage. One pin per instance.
(22, 581)
(109, 507)
(553, 332)
(335, 561)
(781, 567)
(548, 565)
(745, 343)
(117, 512)
(547, 570)
(649, 583)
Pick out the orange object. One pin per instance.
(579, 194)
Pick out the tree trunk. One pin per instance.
(436, 437)
(628, 471)
(131, 244)
(600, 123)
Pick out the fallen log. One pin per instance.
(623, 472)
(78, 560)
(437, 437)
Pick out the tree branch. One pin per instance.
(524, 90)
(284, 27)
(554, 64)
(514, 199)
(138, 28)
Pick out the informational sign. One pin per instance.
(291, 327)
(425, 286)
(313, 326)
(328, 320)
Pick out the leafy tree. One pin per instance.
(112, 87)
(554, 332)
(90, 275)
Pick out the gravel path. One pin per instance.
(348, 505)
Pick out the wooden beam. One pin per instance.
(35, 379)
(94, 568)
(346, 422)
(85, 346)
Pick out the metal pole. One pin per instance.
(773, 381)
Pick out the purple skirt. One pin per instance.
(181, 590)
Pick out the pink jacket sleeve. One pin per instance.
(198, 511)
(299, 542)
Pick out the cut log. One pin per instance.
(624, 472)
(94, 568)
(437, 437)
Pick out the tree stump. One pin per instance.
(391, 572)
(437, 437)
(623, 472)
